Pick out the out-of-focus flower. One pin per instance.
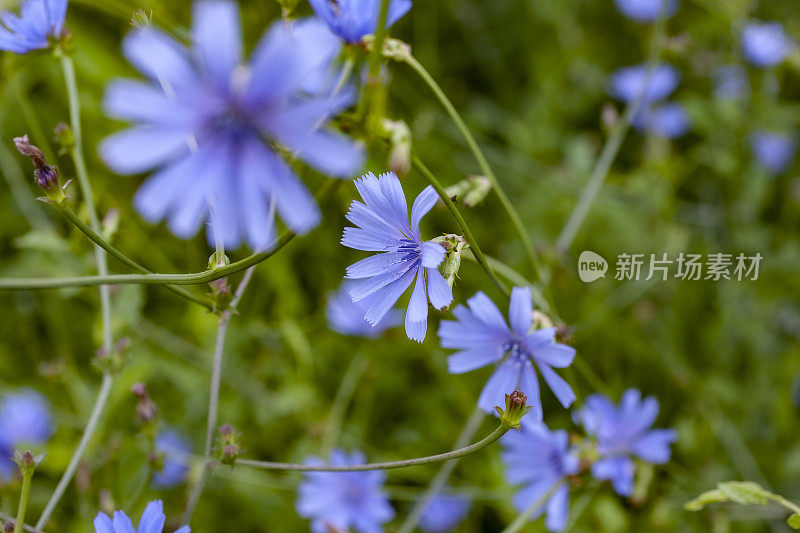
(383, 225)
(152, 521)
(482, 337)
(444, 513)
(627, 83)
(208, 122)
(624, 431)
(668, 120)
(344, 501)
(539, 459)
(353, 19)
(646, 10)
(347, 317)
(24, 419)
(175, 451)
(730, 82)
(765, 44)
(38, 22)
(774, 151)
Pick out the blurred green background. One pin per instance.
(530, 77)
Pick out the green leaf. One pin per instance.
(794, 521)
(746, 492)
(711, 496)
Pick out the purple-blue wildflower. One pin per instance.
(730, 82)
(24, 419)
(624, 431)
(383, 225)
(627, 83)
(203, 120)
(646, 10)
(482, 337)
(175, 451)
(353, 19)
(774, 151)
(344, 501)
(152, 521)
(668, 120)
(38, 23)
(540, 459)
(347, 317)
(765, 44)
(444, 513)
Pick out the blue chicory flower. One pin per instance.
(482, 337)
(344, 500)
(444, 513)
(353, 19)
(175, 450)
(383, 225)
(730, 82)
(774, 151)
(646, 10)
(765, 44)
(24, 419)
(624, 431)
(539, 459)
(38, 22)
(152, 521)
(204, 117)
(627, 83)
(347, 317)
(668, 120)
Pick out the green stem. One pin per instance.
(213, 397)
(522, 519)
(487, 441)
(530, 251)
(23, 500)
(441, 477)
(373, 96)
(611, 148)
(347, 387)
(70, 215)
(163, 279)
(105, 296)
(476, 250)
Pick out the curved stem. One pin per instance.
(476, 250)
(105, 296)
(70, 215)
(213, 397)
(441, 477)
(611, 148)
(487, 441)
(23, 500)
(530, 251)
(163, 279)
(523, 518)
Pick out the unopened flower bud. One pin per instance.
(541, 320)
(146, 409)
(454, 245)
(113, 360)
(110, 224)
(515, 409)
(8, 527)
(218, 259)
(229, 448)
(64, 138)
(45, 175)
(609, 116)
(27, 462)
(470, 191)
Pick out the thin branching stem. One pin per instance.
(448, 202)
(105, 296)
(527, 244)
(485, 442)
(25, 492)
(164, 279)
